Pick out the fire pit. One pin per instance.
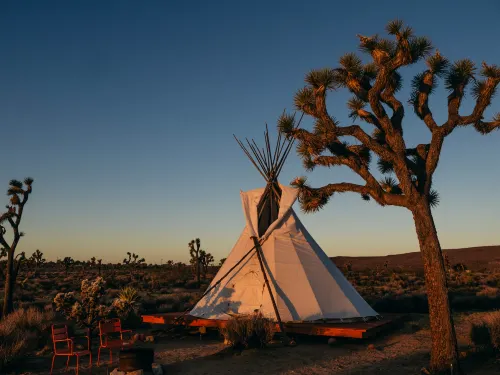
(133, 359)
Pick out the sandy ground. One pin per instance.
(404, 351)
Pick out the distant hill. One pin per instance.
(474, 258)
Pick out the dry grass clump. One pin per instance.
(248, 331)
(21, 331)
(485, 331)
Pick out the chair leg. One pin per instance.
(53, 360)
(67, 363)
(90, 361)
(77, 364)
(110, 357)
(98, 356)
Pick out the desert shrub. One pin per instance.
(22, 331)
(250, 331)
(488, 291)
(485, 331)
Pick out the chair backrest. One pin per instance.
(59, 333)
(108, 327)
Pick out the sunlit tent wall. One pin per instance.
(303, 282)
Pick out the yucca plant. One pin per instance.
(408, 170)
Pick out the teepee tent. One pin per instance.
(276, 268)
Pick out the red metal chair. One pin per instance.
(111, 337)
(60, 335)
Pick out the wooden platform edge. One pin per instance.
(360, 330)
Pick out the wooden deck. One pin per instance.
(358, 330)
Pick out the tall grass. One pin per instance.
(22, 331)
(249, 331)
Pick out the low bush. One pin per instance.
(485, 332)
(249, 331)
(22, 331)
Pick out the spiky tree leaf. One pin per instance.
(28, 181)
(459, 74)
(14, 190)
(355, 105)
(304, 100)
(16, 184)
(308, 164)
(370, 70)
(339, 148)
(433, 198)
(490, 71)
(437, 64)
(385, 167)
(352, 64)
(394, 27)
(478, 88)
(286, 123)
(322, 77)
(419, 48)
(395, 81)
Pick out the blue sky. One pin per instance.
(123, 112)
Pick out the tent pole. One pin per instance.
(259, 255)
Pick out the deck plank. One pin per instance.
(357, 330)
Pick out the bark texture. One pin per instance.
(444, 345)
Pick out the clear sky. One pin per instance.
(123, 112)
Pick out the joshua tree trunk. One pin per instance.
(10, 277)
(444, 352)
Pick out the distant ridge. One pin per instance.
(475, 258)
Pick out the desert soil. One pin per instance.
(403, 351)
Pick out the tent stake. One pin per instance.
(259, 255)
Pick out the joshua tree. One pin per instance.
(96, 263)
(133, 261)
(89, 309)
(67, 263)
(37, 260)
(19, 195)
(206, 259)
(409, 170)
(221, 262)
(195, 258)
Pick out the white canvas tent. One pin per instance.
(306, 284)
(276, 268)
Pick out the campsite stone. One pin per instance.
(136, 372)
(371, 347)
(117, 372)
(332, 341)
(157, 369)
(150, 339)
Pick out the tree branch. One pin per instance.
(380, 197)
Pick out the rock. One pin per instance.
(371, 347)
(117, 372)
(136, 337)
(157, 369)
(136, 372)
(149, 339)
(332, 341)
